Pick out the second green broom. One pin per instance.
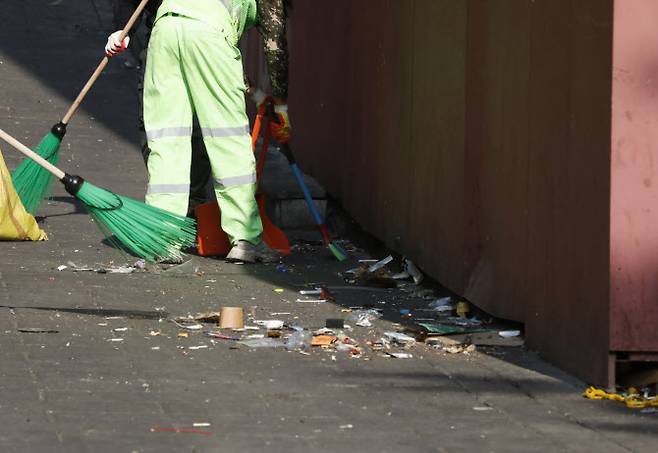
(148, 232)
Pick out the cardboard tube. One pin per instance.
(231, 318)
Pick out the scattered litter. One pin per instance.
(364, 318)
(460, 349)
(281, 313)
(399, 355)
(463, 308)
(441, 342)
(324, 331)
(255, 335)
(242, 329)
(442, 305)
(350, 426)
(311, 301)
(447, 329)
(263, 343)
(120, 329)
(37, 330)
(380, 264)
(367, 261)
(464, 322)
(323, 340)
(62, 267)
(221, 336)
(187, 324)
(231, 318)
(413, 271)
(325, 294)
(183, 335)
(283, 269)
(270, 324)
(631, 398)
(299, 341)
(154, 333)
(509, 333)
(115, 340)
(346, 347)
(278, 290)
(200, 425)
(482, 408)
(367, 279)
(102, 324)
(400, 338)
(203, 346)
(206, 317)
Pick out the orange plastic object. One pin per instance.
(212, 240)
(272, 234)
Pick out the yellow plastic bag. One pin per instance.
(15, 223)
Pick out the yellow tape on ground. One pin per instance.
(632, 400)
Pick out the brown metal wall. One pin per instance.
(474, 137)
(538, 122)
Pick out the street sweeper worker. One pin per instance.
(195, 67)
(200, 166)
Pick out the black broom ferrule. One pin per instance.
(59, 130)
(72, 183)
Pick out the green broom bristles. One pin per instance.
(32, 181)
(337, 250)
(148, 232)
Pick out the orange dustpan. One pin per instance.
(212, 241)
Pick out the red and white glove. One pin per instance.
(113, 46)
(281, 129)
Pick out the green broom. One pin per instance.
(32, 180)
(148, 232)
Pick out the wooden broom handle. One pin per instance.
(59, 174)
(102, 64)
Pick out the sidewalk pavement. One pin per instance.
(104, 379)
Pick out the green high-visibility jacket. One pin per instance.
(242, 14)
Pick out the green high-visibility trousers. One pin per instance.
(192, 67)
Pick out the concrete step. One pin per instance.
(285, 202)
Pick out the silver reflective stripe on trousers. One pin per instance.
(218, 132)
(169, 132)
(233, 181)
(155, 189)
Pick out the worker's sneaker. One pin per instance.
(246, 252)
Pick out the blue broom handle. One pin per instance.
(307, 194)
